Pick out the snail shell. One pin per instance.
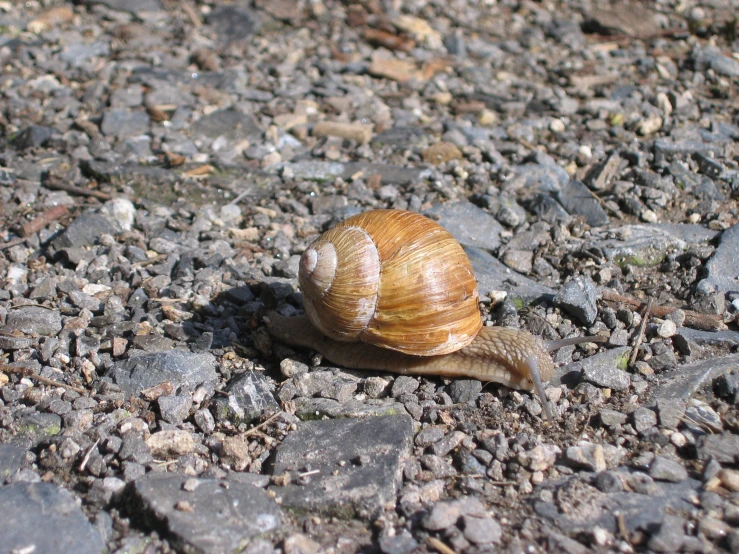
(394, 279)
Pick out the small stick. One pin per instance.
(56, 184)
(87, 456)
(440, 546)
(38, 223)
(266, 422)
(26, 372)
(640, 334)
(11, 244)
(692, 318)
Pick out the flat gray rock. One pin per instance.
(312, 408)
(578, 297)
(11, 460)
(492, 274)
(205, 515)
(604, 370)
(35, 320)
(470, 225)
(577, 199)
(648, 244)
(85, 231)
(594, 508)
(229, 124)
(355, 465)
(684, 380)
(184, 370)
(45, 519)
(723, 271)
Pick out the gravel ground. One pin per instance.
(164, 164)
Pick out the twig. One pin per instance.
(692, 318)
(87, 456)
(190, 11)
(56, 184)
(26, 372)
(11, 243)
(640, 334)
(38, 223)
(266, 422)
(440, 546)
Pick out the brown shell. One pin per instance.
(394, 279)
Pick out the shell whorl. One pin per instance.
(393, 279)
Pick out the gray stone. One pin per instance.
(610, 418)
(664, 469)
(481, 530)
(331, 449)
(85, 231)
(646, 245)
(45, 519)
(670, 412)
(493, 275)
(448, 443)
(465, 390)
(671, 535)
(174, 409)
(578, 297)
(429, 436)
(711, 58)
(701, 418)
(184, 370)
(34, 427)
(35, 319)
(11, 460)
(77, 54)
(233, 23)
(123, 123)
(681, 382)
(207, 515)
(604, 369)
(644, 419)
(723, 447)
(722, 269)
(609, 481)
(249, 395)
(640, 512)
(404, 385)
(230, 124)
(33, 136)
(313, 408)
(469, 224)
(400, 543)
(577, 199)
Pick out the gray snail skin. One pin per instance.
(391, 290)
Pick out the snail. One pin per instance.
(392, 290)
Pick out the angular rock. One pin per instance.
(577, 199)
(470, 225)
(45, 519)
(35, 319)
(355, 465)
(578, 297)
(664, 469)
(204, 515)
(11, 460)
(723, 273)
(249, 395)
(683, 381)
(606, 369)
(182, 369)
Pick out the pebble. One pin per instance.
(664, 469)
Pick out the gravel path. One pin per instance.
(163, 165)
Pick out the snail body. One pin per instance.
(392, 290)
